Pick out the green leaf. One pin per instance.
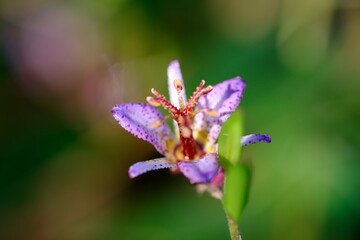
(229, 140)
(236, 189)
(237, 175)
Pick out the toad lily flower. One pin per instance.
(197, 124)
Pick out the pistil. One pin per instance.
(187, 141)
(184, 115)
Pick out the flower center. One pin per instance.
(183, 116)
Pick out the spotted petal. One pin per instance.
(146, 166)
(145, 122)
(224, 98)
(255, 138)
(202, 170)
(174, 73)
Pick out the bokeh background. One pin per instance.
(64, 160)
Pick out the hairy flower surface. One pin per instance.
(197, 124)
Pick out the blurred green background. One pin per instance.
(64, 159)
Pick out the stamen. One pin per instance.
(152, 101)
(156, 124)
(169, 117)
(212, 113)
(193, 114)
(179, 87)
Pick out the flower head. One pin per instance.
(197, 124)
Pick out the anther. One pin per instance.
(194, 113)
(212, 113)
(156, 124)
(167, 117)
(178, 85)
(152, 101)
(207, 89)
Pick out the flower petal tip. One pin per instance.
(255, 138)
(146, 166)
(174, 63)
(174, 74)
(174, 71)
(240, 82)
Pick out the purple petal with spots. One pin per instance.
(146, 166)
(174, 72)
(225, 97)
(139, 119)
(254, 138)
(202, 170)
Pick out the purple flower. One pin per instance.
(197, 124)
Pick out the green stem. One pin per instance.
(234, 229)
